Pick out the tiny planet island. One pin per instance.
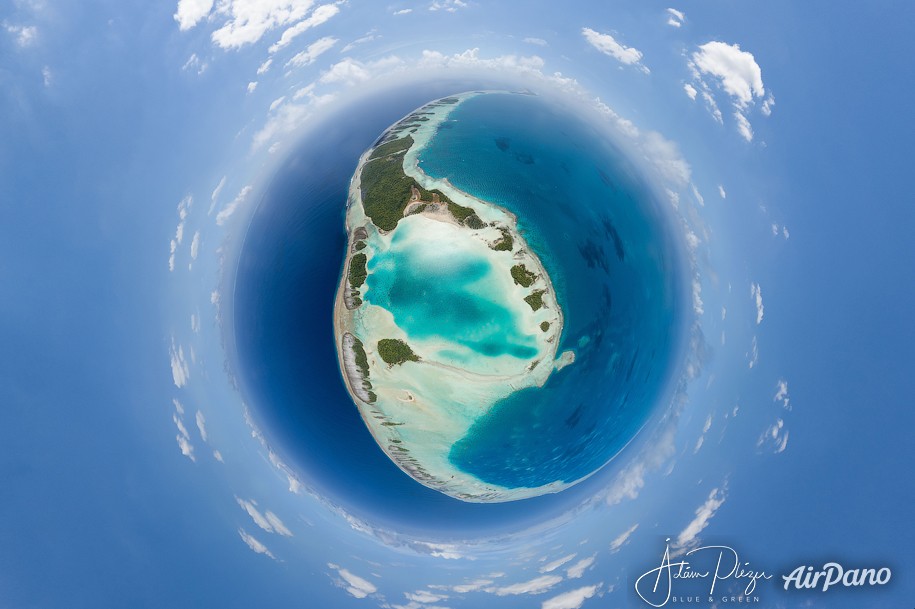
(448, 324)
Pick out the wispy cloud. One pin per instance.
(608, 45)
(322, 14)
(721, 192)
(356, 586)
(781, 394)
(675, 18)
(180, 370)
(255, 545)
(540, 42)
(183, 438)
(24, 35)
(360, 41)
(623, 538)
(312, 52)
(756, 295)
(403, 11)
(629, 482)
(201, 425)
(450, 6)
(231, 208)
(552, 566)
(578, 569)
(267, 521)
(573, 599)
(776, 435)
(538, 585)
(704, 513)
(690, 91)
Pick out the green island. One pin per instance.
(522, 276)
(357, 270)
(545, 325)
(387, 190)
(395, 352)
(506, 243)
(535, 299)
(362, 363)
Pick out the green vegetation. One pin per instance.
(394, 352)
(359, 245)
(386, 189)
(419, 209)
(357, 270)
(362, 360)
(522, 276)
(506, 243)
(392, 147)
(544, 325)
(535, 299)
(459, 212)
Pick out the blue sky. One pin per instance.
(135, 140)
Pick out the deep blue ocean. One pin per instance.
(603, 241)
(287, 274)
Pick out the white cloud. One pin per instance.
(540, 42)
(251, 508)
(450, 6)
(246, 21)
(25, 35)
(278, 527)
(254, 544)
(573, 599)
(186, 448)
(183, 438)
(425, 597)
(620, 541)
(194, 62)
(552, 566)
(675, 18)
(404, 11)
(353, 584)
(179, 408)
(252, 86)
(191, 12)
(776, 435)
(201, 425)
(629, 482)
(578, 569)
(352, 45)
(739, 74)
(538, 585)
(46, 76)
(230, 209)
(743, 126)
(350, 71)
(753, 354)
(314, 50)
(721, 192)
(218, 456)
(322, 14)
(180, 370)
(690, 91)
(607, 44)
(195, 245)
(766, 107)
(756, 295)
(704, 514)
(781, 394)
